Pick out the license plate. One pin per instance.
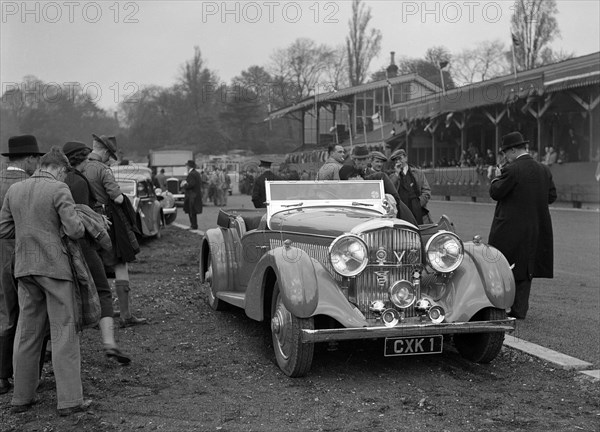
(401, 346)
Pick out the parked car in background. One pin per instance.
(328, 261)
(174, 164)
(154, 208)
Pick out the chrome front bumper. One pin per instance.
(169, 210)
(407, 330)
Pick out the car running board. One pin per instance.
(235, 298)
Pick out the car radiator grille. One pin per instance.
(402, 251)
(173, 186)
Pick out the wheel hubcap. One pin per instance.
(281, 325)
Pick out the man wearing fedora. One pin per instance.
(23, 159)
(106, 189)
(192, 185)
(37, 212)
(522, 227)
(259, 193)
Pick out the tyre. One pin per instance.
(481, 347)
(207, 277)
(293, 357)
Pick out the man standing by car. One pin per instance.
(412, 186)
(23, 159)
(103, 184)
(360, 161)
(192, 203)
(331, 168)
(522, 227)
(34, 213)
(259, 194)
(378, 160)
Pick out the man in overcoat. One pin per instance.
(192, 203)
(35, 212)
(259, 193)
(412, 186)
(522, 227)
(107, 191)
(23, 159)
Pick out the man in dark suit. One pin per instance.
(192, 203)
(522, 227)
(23, 159)
(259, 193)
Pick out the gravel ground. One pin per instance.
(199, 370)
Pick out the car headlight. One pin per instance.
(445, 251)
(348, 255)
(402, 294)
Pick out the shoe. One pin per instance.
(5, 385)
(63, 412)
(17, 409)
(132, 321)
(512, 315)
(117, 354)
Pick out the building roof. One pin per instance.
(322, 98)
(572, 73)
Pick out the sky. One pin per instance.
(111, 49)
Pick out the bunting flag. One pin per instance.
(442, 65)
(515, 39)
(376, 118)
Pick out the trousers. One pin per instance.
(44, 300)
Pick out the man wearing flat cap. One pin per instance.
(259, 194)
(412, 186)
(109, 202)
(522, 227)
(360, 159)
(378, 160)
(192, 203)
(23, 159)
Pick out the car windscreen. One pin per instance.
(127, 187)
(315, 191)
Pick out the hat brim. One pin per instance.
(106, 144)
(22, 154)
(517, 144)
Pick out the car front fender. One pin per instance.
(213, 246)
(306, 286)
(484, 279)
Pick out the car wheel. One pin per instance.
(293, 357)
(481, 347)
(206, 277)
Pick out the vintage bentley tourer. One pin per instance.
(328, 261)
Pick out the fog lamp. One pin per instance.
(402, 293)
(390, 317)
(437, 314)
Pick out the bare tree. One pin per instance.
(487, 60)
(336, 72)
(361, 45)
(302, 65)
(533, 26)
